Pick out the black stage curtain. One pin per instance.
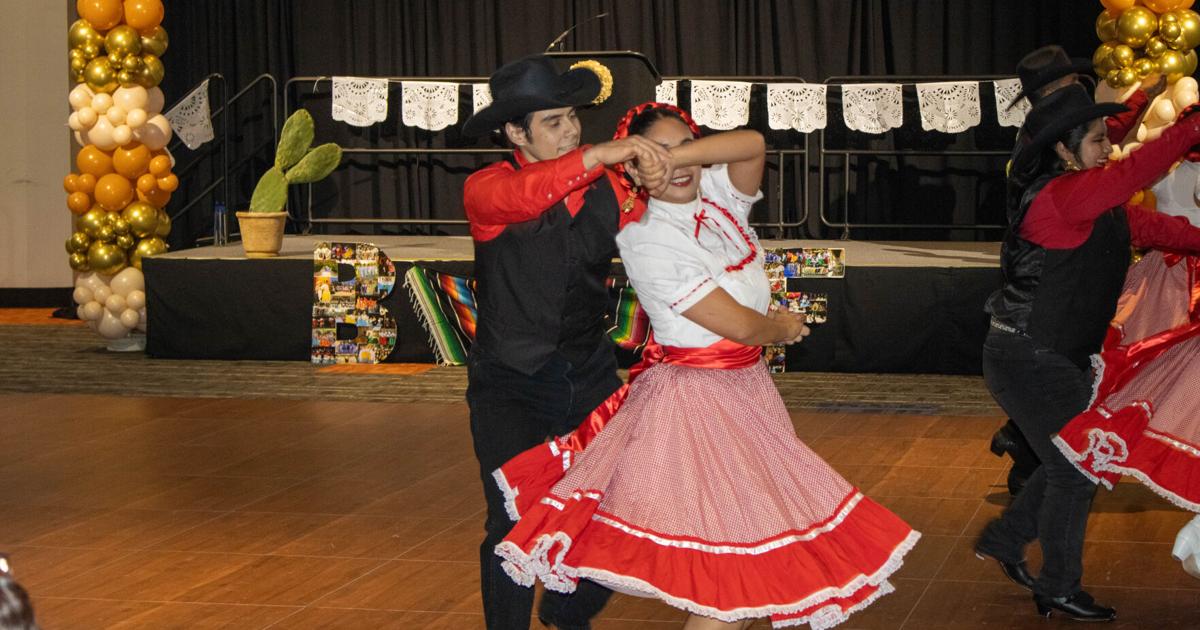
(813, 39)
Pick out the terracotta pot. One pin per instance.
(262, 233)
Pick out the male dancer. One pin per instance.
(544, 222)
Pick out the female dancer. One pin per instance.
(697, 490)
(1064, 262)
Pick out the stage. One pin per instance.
(902, 307)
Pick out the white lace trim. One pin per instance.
(360, 101)
(799, 106)
(667, 92)
(523, 569)
(1006, 91)
(873, 107)
(721, 104)
(1172, 442)
(1097, 378)
(951, 107)
(191, 118)
(481, 96)
(429, 105)
(510, 495)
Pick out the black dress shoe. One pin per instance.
(1080, 607)
(1003, 442)
(1018, 572)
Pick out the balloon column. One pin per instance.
(123, 179)
(1140, 38)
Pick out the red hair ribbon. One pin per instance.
(623, 132)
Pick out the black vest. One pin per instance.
(541, 284)
(1064, 298)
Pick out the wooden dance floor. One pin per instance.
(135, 512)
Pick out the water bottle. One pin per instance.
(220, 227)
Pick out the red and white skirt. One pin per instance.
(699, 493)
(1144, 419)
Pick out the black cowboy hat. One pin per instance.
(1045, 66)
(1057, 114)
(529, 85)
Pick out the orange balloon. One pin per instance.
(86, 183)
(143, 14)
(94, 161)
(1159, 6)
(79, 203)
(1116, 6)
(160, 166)
(113, 192)
(157, 197)
(71, 183)
(102, 14)
(168, 183)
(131, 160)
(146, 183)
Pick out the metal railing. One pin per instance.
(221, 232)
(847, 153)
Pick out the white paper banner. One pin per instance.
(721, 104)
(799, 106)
(873, 107)
(360, 101)
(191, 119)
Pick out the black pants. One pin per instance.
(1041, 391)
(510, 413)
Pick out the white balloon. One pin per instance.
(92, 311)
(87, 117)
(130, 279)
(152, 135)
(115, 304)
(79, 139)
(110, 326)
(79, 313)
(82, 295)
(142, 320)
(101, 102)
(101, 135)
(92, 324)
(136, 118)
(136, 300)
(81, 96)
(155, 101)
(101, 293)
(115, 114)
(129, 98)
(73, 122)
(130, 318)
(122, 135)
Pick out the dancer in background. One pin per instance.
(697, 491)
(1064, 261)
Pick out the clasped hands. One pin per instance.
(649, 164)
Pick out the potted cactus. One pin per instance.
(295, 163)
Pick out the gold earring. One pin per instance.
(1072, 166)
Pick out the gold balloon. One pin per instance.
(1126, 77)
(1189, 63)
(1170, 31)
(81, 32)
(164, 224)
(123, 40)
(1123, 56)
(152, 71)
(1155, 47)
(154, 41)
(1106, 27)
(78, 262)
(1169, 17)
(105, 234)
(1144, 67)
(1136, 25)
(125, 241)
(1102, 59)
(91, 221)
(120, 226)
(99, 76)
(78, 243)
(106, 258)
(133, 64)
(1171, 64)
(142, 218)
(127, 78)
(147, 247)
(1189, 25)
(89, 51)
(78, 64)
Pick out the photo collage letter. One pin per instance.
(349, 325)
(784, 265)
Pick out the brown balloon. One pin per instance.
(100, 76)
